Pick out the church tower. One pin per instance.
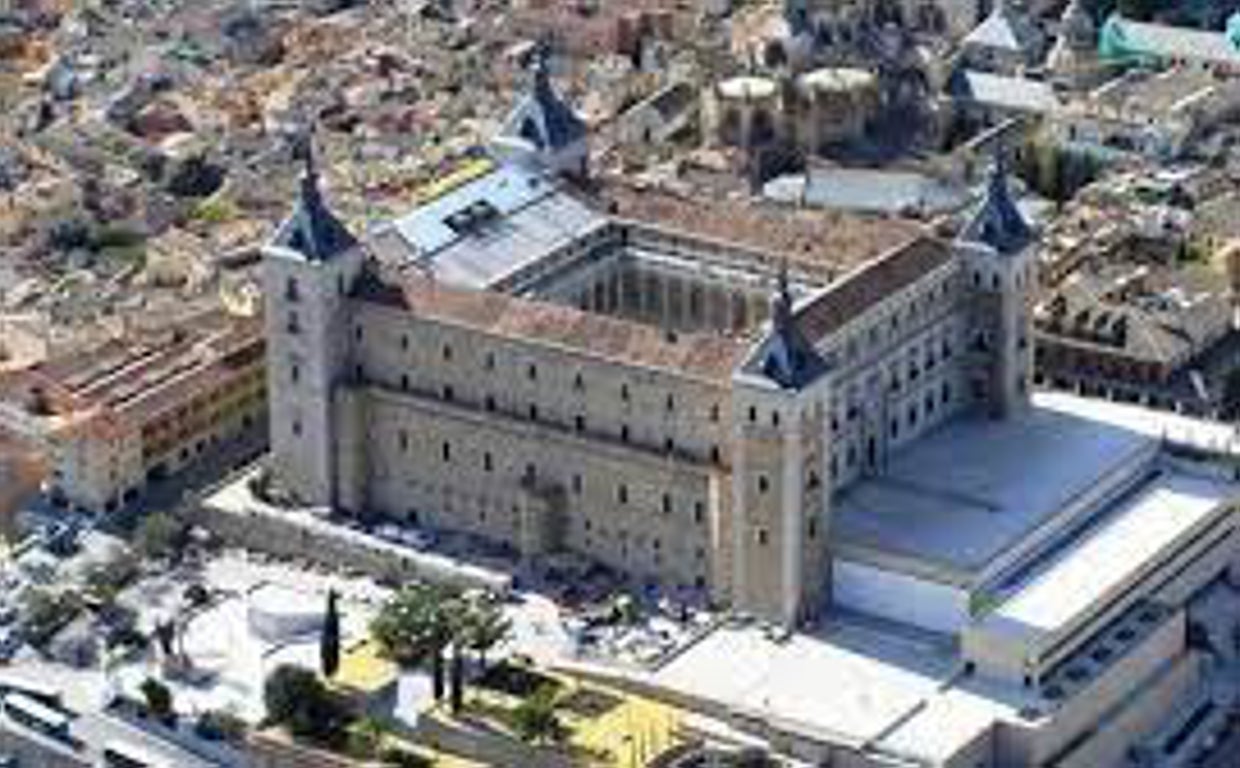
(308, 269)
(1073, 61)
(999, 254)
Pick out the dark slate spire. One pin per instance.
(542, 117)
(796, 16)
(313, 230)
(998, 222)
(788, 359)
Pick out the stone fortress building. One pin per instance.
(515, 360)
(509, 361)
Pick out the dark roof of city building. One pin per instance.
(1167, 316)
(871, 284)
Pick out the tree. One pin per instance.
(366, 737)
(103, 579)
(296, 698)
(221, 725)
(1231, 396)
(484, 627)
(158, 698)
(416, 625)
(535, 719)
(458, 680)
(329, 640)
(47, 611)
(160, 535)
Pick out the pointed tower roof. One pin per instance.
(1078, 38)
(1077, 25)
(541, 117)
(997, 221)
(313, 230)
(1004, 29)
(787, 357)
(796, 16)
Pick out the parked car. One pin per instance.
(10, 642)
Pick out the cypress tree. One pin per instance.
(329, 640)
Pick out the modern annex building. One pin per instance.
(510, 360)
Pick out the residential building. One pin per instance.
(137, 409)
(1127, 42)
(1160, 336)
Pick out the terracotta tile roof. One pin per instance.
(869, 285)
(826, 242)
(700, 355)
(138, 378)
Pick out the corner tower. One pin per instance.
(308, 268)
(998, 248)
(780, 501)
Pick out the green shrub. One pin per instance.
(158, 698)
(220, 725)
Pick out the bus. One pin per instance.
(36, 716)
(122, 754)
(48, 695)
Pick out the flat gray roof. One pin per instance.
(849, 683)
(492, 226)
(852, 683)
(1108, 554)
(973, 487)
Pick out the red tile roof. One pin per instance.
(701, 355)
(869, 285)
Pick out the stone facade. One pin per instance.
(601, 413)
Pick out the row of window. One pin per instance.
(901, 316)
(577, 482)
